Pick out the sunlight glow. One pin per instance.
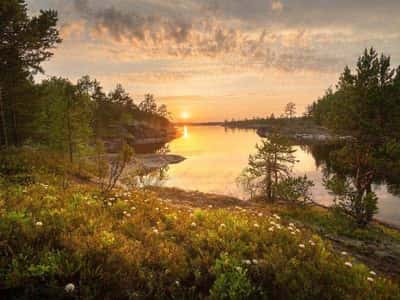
(185, 115)
(185, 132)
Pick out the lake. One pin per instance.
(215, 157)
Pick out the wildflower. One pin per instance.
(291, 225)
(128, 215)
(293, 233)
(276, 216)
(157, 209)
(247, 261)
(297, 230)
(133, 208)
(239, 269)
(370, 279)
(124, 212)
(311, 242)
(271, 229)
(155, 230)
(222, 225)
(278, 226)
(69, 288)
(260, 214)
(302, 246)
(193, 224)
(372, 273)
(255, 261)
(109, 204)
(348, 264)
(39, 224)
(344, 253)
(210, 206)
(177, 282)
(256, 225)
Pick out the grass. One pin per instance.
(135, 245)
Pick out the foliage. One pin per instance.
(295, 189)
(134, 245)
(290, 110)
(25, 43)
(268, 167)
(231, 281)
(363, 102)
(109, 178)
(361, 206)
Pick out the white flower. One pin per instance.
(344, 253)
(69, 288)
(348, 264)
(39, 224)
(293, 233)
(128, 215)
(291, 225)
(260, 214)
(372, 273)
(256, 225)
(222, 225)
(193, 224)
(247, 261)
(155, 230)
(133, 208)
(124, 212)
(302, 246)
(157, 209)
(278, 226)
(370, 279)
(311, 242)
(238, 269)
(177, 282)
(109, 203)
(255, 261)
(297, 230)
(276, 216)
(210, 206)
(271, 229)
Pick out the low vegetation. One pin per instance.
(73, 242)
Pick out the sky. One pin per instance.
(212, 60)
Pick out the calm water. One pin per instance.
(215, 157)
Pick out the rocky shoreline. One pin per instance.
(319, 137)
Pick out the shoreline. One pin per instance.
(227, 200)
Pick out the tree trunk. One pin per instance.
(15, 130)
(3, 119)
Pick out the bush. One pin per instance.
(295, 189)
(358, 204)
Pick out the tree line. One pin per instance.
(56, 113)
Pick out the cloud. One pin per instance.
(162, 34)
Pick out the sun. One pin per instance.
(185, 115)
